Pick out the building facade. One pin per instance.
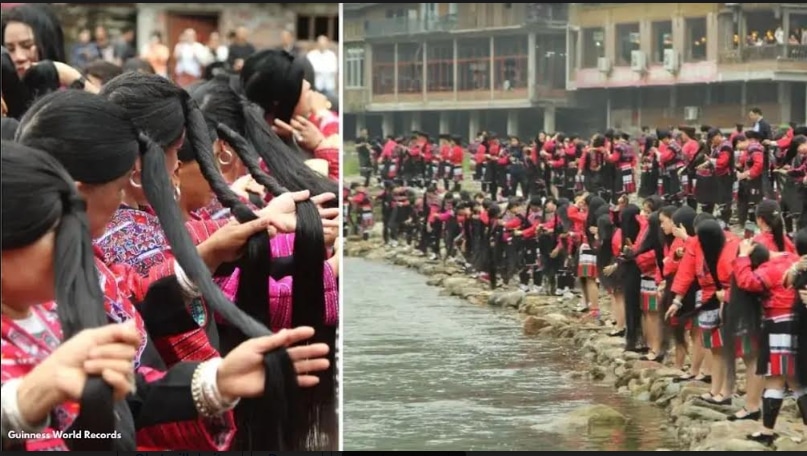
(455, 67)
(663, 64)
(265, 21)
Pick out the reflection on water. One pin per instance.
(424, 372)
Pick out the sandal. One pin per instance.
(710, 398)
(752, 416)
(653, 357)
(684, 378)
(705, 379)
(619, 333)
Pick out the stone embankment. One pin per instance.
(696, 424)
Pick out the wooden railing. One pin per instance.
(405, 26)
(766, 52)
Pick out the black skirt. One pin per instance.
(648, 183)
(707, 190)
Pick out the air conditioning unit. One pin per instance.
(638, 61)
(604, 65)
(692, 113)
(671, 60)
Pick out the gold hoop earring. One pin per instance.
(177, 193)
(229, 159)
(132, 181)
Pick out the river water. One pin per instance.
(426, 372)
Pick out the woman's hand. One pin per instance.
(305, 133)
(661, 287)
(108, 351)
(680, 232)
(721, 296)
(282, 210)
(672, 311)
(68, 75)
(226, 244)
(608, 270)
(746, 246)
(242, 373)
(245, 184)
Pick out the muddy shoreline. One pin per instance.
(698, 425)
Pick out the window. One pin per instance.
(550, 59)
(695, 50)
(396, 13)
(593, 46)
(310, 27)
(627, 41)
(726, 93)
(440, 66)
(662, 40)
(758, 92)
(383, 69)
(410, 64)
(354, 68)
(510, 62)
(474, 64)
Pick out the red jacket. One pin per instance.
(578, 219)
(766, 239)
(768, 278)
(690, 148)
(752, 161)
(457, 155)
(670, 262)
(693, 268)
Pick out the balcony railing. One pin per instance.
(767, 52)
(406, 26)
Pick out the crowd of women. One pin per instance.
(682, 284)
(169, 257)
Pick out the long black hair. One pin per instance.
(239, 122)
(274, 80)
(15, 92)
(769, 211)
(800, 312)
(143, 96)
(712, 239)
(630, 227)
(221, 101)
(743, 314)
(38, 195)
(66, 125)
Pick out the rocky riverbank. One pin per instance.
(697, 425)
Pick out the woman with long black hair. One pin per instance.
(709, 262)
(649, 258)
(32, 33)
(101, 160)
(275, 81)
(143, 95)
(295, 296)
(777, 361)
(679, 224)
(47, 255)
(624, 241)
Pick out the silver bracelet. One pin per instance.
(11, 410)
(205, 390)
